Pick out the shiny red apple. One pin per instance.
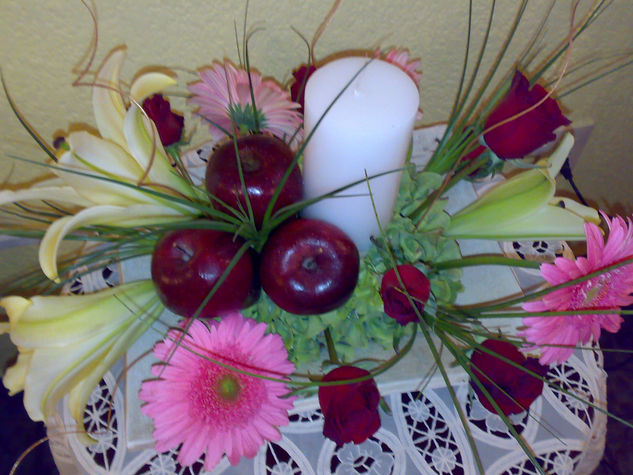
(309, 267)
(264, 160)
(186, 265)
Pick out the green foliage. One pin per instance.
(247, 118)
(361, 321)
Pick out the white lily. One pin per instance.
(131, 215)
(62, 194)
(107, 101)
(67, 343)
(129, 148)
(125, 167)
(524, 207)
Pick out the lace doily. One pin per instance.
(423, 435)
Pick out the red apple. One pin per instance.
(309, 267)
(187, 264)
(264, 160)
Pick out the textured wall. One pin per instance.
(42, 41)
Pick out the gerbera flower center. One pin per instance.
(225, 397)
(247, 118)
(228, 388)
(592, 293)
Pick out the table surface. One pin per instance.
(423, 433)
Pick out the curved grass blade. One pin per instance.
(28, 127)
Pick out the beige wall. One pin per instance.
(41, 40)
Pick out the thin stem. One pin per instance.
(331, 349)
(477, 308)
(591, 311)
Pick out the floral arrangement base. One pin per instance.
(422, 435)
(493, 282)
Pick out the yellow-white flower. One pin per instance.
(524, 207)
(67, 343)
(122, 177)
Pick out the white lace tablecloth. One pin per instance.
(423, 433)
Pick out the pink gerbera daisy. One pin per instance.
(402, 59)
(224, 97)
(212, 409)
(609, 290)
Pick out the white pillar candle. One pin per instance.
(368, 129)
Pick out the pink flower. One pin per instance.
(396, 303)
(512, 388)
(519, 137)
(402, 59)
(609, 290)
(224, 97)
(211, 409)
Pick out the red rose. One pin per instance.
(168, 124)
(523, 135)
(498, 377)
(396, 303)
(298, 86)
(350, 411)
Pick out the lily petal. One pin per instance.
(15, 307)
(61, 194)
(509, 201)
(556, 160)
(50, 375)
(149, 153)
(102, 156)
(133, 215)
(107, 102)
(524, 207)
(57, 321)
(79, 395)
(47, 373)
(150, 83)
(549, 222)
(585, 212)
(14, 377)
(101, 159)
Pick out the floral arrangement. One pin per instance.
(256, 260)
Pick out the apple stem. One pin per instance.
(186, 252)
(330, 347)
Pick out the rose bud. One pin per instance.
(499, 377)
(298, 85)
(520, 136)
(168, 124)
(396, 303)
(350, 411)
